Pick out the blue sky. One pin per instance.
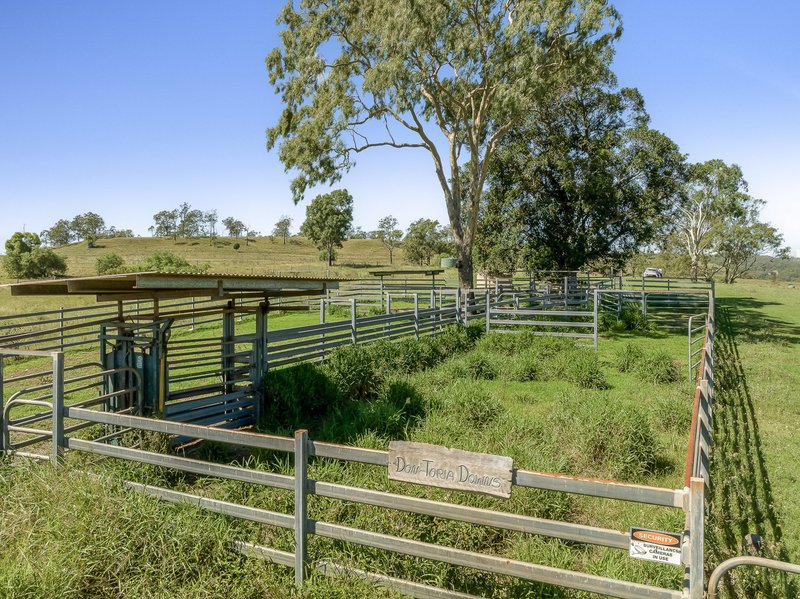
(126, 109)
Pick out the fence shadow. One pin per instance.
(740, 496)
(751, 325)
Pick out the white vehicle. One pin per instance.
(653, 272)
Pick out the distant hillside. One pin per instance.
(784, 270)
(260, 256)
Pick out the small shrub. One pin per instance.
(500, 343)
(632, 319)
(621, 444)
(236, 245)
(170, 262)
(452, 340)
(296, 396)
(673, 413)
(584, 370)
(109, 264)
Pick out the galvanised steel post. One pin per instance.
(58, 409)
(259, 359)
(353, 321)
(416, 315)
(228, 345)
(61, 328)
(322, 321)
(458, 306)
(696, 538)
(2, 425)
(300, 506)
(488, 311)
(596, 299)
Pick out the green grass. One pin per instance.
(574, 415)
(262, 256)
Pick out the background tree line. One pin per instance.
(87, 227)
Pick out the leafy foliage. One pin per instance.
(25, 258)
(89, 227)
(449, 77)
(719, 218)
(424, 240)
(109, 264)
(583, 181)
(283, 227)
(328, 219)
(389, 234)
(170, 262)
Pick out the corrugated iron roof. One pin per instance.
(155, 285)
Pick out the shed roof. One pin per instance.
(162, 285)
(424, 271)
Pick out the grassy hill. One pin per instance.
(262, 255)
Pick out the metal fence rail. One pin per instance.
(536, 312)
(304, 449)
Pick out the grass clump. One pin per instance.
(656, 366)
(628, 320)
(607, 439)
(351, 370)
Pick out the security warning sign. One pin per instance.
(655, 546)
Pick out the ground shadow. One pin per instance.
(749, 324)
(740, 500)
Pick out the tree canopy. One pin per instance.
(25, 258)
(389, 234)
(584, 181)
(328, 220)
(715, 192)
(283, 228)
(451, 78)
(718, 228)
(424, 239)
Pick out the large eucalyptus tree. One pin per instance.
(452, 77)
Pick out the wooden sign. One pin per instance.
(438, 466)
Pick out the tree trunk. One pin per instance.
(465, 268)
(693, 269)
